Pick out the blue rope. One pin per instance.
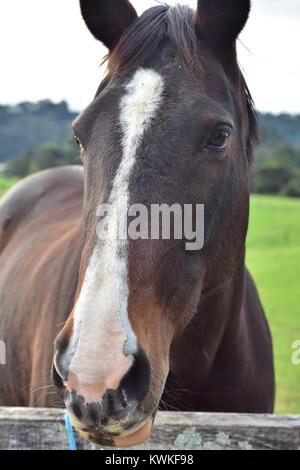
(70, 432)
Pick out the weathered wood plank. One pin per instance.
(25, 428)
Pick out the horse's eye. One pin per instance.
(219, 140)
(77, 142)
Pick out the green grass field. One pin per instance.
(273, 257)
(5, 184)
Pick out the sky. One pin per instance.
(47, 52)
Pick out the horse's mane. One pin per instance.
(145, 35)
(177, 24)
(254, 126)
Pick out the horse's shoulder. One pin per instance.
(24, 197)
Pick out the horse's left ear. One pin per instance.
(107, 19)
(221, 21)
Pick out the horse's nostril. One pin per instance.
(56, 377)
(124, 400)
(59, 372)
(60, 365)
(136, 383)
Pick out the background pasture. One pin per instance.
(273, 257)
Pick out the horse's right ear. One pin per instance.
(107, 19)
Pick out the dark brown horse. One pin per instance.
(145, 322)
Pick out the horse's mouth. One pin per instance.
(131, 438)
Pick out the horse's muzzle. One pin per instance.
(118, 418)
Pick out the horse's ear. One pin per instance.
(107, 19)
(221, 21)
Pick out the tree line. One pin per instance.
(36, 136)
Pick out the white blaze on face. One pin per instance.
(103, 341)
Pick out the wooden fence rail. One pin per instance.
(26, 428)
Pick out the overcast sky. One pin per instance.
(47, 52)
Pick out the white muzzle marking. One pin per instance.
(103, 341)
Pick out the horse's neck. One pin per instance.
(218, 320)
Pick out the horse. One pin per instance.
(139, 323)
